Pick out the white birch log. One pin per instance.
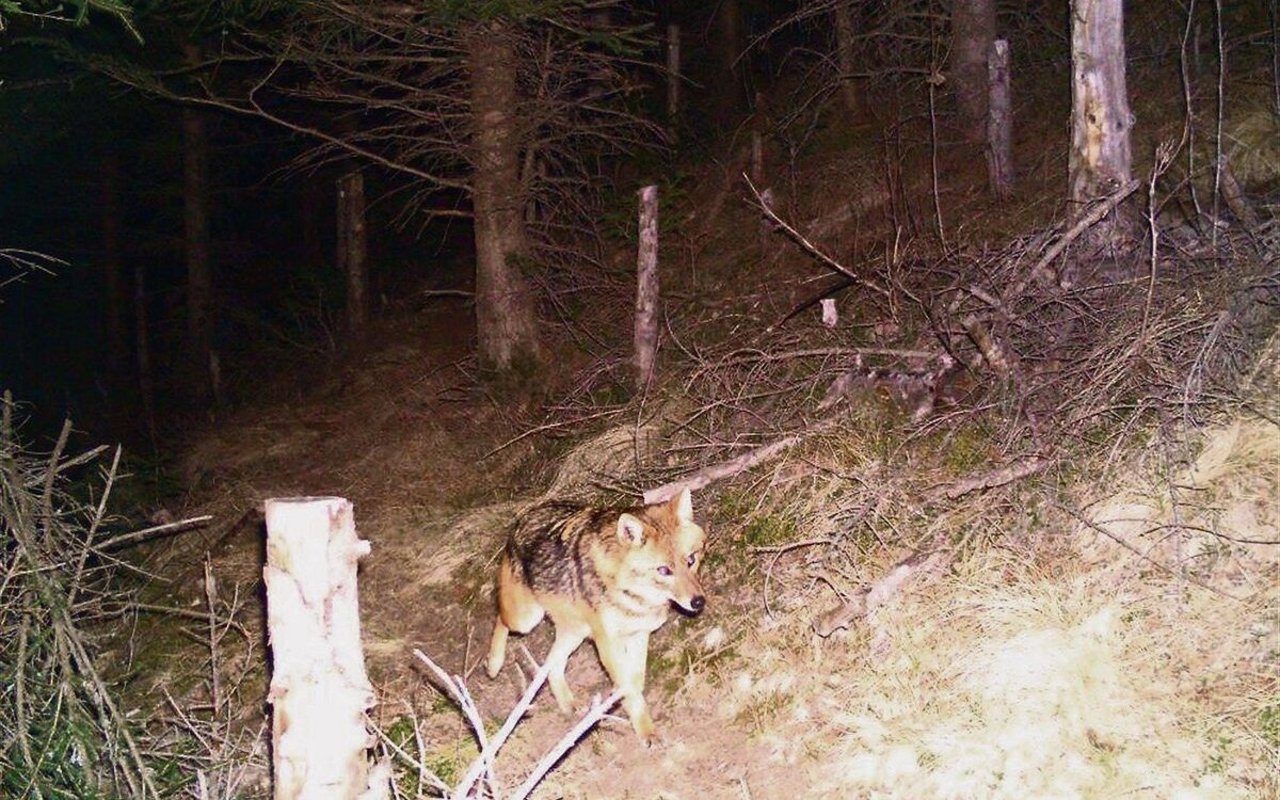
(319, 689)
(647, 290)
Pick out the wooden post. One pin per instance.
(999, 121)
(319, 689)
(353, 250)
(673, 76)
(647, 293)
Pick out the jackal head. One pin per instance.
(664, 549)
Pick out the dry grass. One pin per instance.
(1030, 672)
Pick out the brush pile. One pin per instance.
(65, 732)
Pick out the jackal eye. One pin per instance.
(664, 571)
(691, 559)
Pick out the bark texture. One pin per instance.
(999, 122)
(319, 688)
(973, 29)
(1100, 159)
(505, 322)
(353, 251)
(647, 288)
(728, 41)
(842, 11)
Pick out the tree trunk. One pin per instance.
(505, 323)
(195, 196)
(353, 251)
(842, 10)
(113, 271)
(1100, 159)
(973, 29)
(673, 76)
(728, 94)
(142, 350)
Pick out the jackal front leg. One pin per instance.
(568, 639)
(624, 658)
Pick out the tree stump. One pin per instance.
(319, 689)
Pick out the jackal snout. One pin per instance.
(687, 592)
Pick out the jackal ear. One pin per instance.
(630, 530)
(682, 505)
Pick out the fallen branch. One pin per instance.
(597, 711)
(147, 533)
(710, 474)
(875, 595)
(482, 765)
(1009, 473)
(987, 344)
(811, 248)
(1088, 220)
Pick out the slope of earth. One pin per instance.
(1100, 619)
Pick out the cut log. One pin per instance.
(319, 688)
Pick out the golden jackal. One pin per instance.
(605, 575)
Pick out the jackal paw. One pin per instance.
(643, 725)
(567, 704)
(492, 667)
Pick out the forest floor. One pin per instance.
(1103, 617)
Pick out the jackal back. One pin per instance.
(633, 560)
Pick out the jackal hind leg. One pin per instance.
(625, 659)
(568, 639)
(518, 611)
(497, 648)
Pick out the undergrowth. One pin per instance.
(70, 725)
(67, 733)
